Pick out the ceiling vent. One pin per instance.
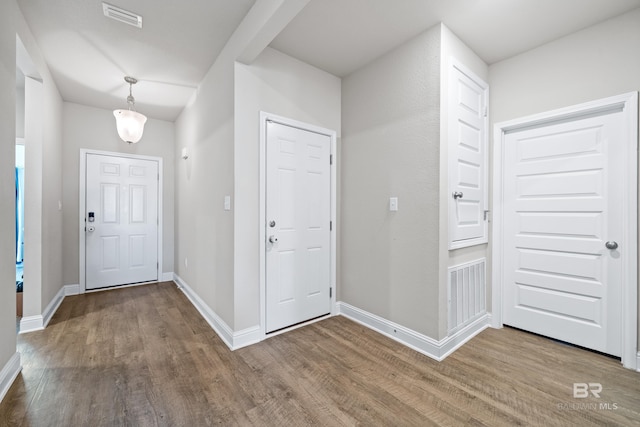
(122, 15)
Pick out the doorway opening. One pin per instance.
(19, 225)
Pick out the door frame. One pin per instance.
(81, 210)
(628, 104)
(264, 119)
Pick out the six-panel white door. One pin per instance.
(298, 214)
(121, 232)
(562, 204)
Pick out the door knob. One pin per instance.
(273, 239)
(611, 245)
(91, 229)
(457, 195)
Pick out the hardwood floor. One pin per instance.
(143, 356)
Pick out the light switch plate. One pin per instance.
(393, 204)
(227, 203)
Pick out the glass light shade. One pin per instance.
(130, 125)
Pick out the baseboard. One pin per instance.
(53, 306)
(39, 322)
(167, 277)
(71, 290)
(31, 324)
(638, 361)
(233, 340)
(222, 329)
(436, 349)
(9, 373)
(246, 337)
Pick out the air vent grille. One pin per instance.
(122, 15)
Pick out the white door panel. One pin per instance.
(467, 166)
(298, 212)
(121, 242)
(561, 205)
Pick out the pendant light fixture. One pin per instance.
(129, 122)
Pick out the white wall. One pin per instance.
(597, 62)
(19, 104)
(95, 129)
(594, 63)
(43, 165)
(204, 230)
(8, 11)
(281, 85)
(390, 147)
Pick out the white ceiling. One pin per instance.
(340, 36)
(89, 55)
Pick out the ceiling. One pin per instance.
(89, 54)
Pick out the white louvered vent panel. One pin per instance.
(121, 15)
(467, 293)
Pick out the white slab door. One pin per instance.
(121, 228)
(563, 230)
(298, 215)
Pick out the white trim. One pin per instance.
(428, 346)
(9, 373)
(81, 208)
(31, 324)
(219, 326)
(53, 306)
(39, 322)
(71, 290)
(452, 175)
(264, 117)
(628, 103)
(246, 337)
(233, 340)
(638, 361)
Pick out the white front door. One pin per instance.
(121, 221)
(298, 215)
(563, 217)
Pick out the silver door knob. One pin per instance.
(611, 245)
(457, 195)
(273, 239)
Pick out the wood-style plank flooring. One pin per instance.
(143, 356)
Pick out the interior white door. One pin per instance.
(298, 214)
(468, 101)
(562, 220)
(121, 221)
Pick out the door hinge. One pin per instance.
(486, 111)
(330, 225)
(330, 292)
(330, 159)
(486, 215)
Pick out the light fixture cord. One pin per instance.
(130, 99)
